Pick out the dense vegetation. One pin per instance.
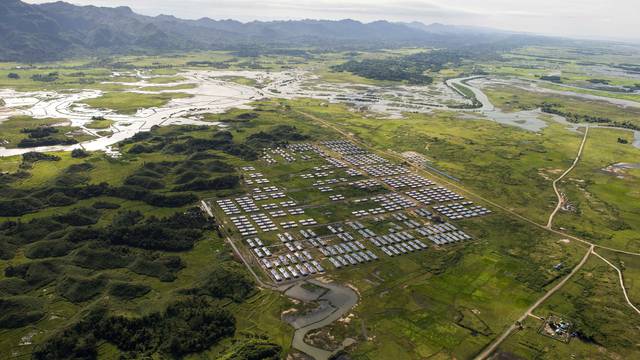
(410, 68)
(551, 108)
(78, 238)
(186, 326)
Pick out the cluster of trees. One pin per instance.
(410, 68)
(45, 141)
(18, 203)
(552, 78)
(552, 108)
(213, 64)
(186, 326)
(224, 283)
(50, 77)
(13, 76)
(149, 142)
(44, 136)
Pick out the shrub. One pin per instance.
(78, 289)
(128, 291)
(19, 311)
(79, 153)
(49, 248)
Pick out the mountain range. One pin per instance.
(52, 31)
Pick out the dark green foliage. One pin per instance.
(221, 282)
(176, 233)
(105, 205)
(553, 78)
(19, 311)
(60, 199)
(140, 149)
(69, 179)
(80, 217)
(7, 178)
(218, 166)
(410, 68)
(50, 77)
(623, 141)
(40, 132)
(203, 156)
(79, 153)
(49, 248)
(13, 286)
(257, 349)
(103, 258)
(7, 250)
(45, 141)
(13, 76)
(77, 168)
(555, 109)
(78, 289)
(279, 135)
(34, 156)
(127, 291)
(144, 182)
(35, 273)
(126, 218)
(18, 207)
(219, 183)
(159, 200)
(190, 176)
(154, 236)
(35, 230)
(76, 342)
(78, 235)
(186, 326)
(164, 268)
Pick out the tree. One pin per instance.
(13, 76)
(79, 153)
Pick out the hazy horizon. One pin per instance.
(614, 20)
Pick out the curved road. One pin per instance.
(624, 290)
(555, 182)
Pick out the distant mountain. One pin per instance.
(60, 30)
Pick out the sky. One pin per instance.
(597, 19)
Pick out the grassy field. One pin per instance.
(511, 166)
(11, 130)
(445, 302)
(130, 103)
(606, 203)
(514, 99)
(100, 124)
(594, 303)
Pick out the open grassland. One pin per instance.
(100, 124)
(85, 275)
(513, 99)
(451, 302)
(604, 203)
(593, 302)
(514, 167)
(18, 130)
(630, 267)
(130, 103)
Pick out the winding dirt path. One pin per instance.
(624, 290)
(556, 181)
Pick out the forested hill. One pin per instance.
(51, 31)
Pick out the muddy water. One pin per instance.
(335, 301)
